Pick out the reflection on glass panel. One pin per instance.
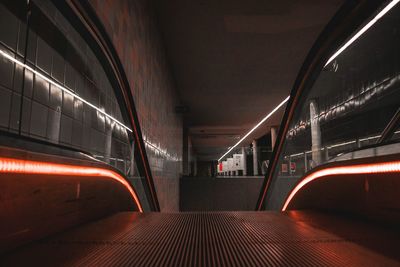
(396, 135)
(346, 109)
(54, 88)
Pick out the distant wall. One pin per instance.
(133, 30)
(219, 194)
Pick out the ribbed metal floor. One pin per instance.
(215, 239)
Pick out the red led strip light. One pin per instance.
(373, 168)
(9, 165)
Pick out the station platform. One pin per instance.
(215, 239)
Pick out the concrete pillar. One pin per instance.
(358, 142)
(305, 162)
(194, 166)
(315, 134)
(244, 161)
(215, 168)
(274, 133)
(326, 152)
(185, 151)
(255, 158)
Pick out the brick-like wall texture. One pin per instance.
(134, 32)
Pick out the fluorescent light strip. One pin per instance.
(342, 144)
(370, 138)
(373, 168)
(166, 154)
(16, 61)
(363, 30)
(255, 127)
(295, 155)
(116, 159)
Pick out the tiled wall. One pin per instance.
(133, 30)
(57, 51)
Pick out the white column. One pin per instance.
(315, 134)
(358, 142)
(273, 136)
(305, 162)
(326, 153)
(255, 158)
(244, 158)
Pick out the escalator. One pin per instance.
(82, 194)
(295, 238)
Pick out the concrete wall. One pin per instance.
(219, 194)
(133, 30)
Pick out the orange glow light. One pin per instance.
(372, 168)
(10, 165)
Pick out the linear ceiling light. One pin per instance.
(373, 168)
(164, 152)
(255, 127)
(16, 61)
(363, 30)
(10, 165)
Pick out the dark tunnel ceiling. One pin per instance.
(235, 60)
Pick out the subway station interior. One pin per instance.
(199, 133)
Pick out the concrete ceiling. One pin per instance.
(235, 60)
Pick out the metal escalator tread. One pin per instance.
(215, 239)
